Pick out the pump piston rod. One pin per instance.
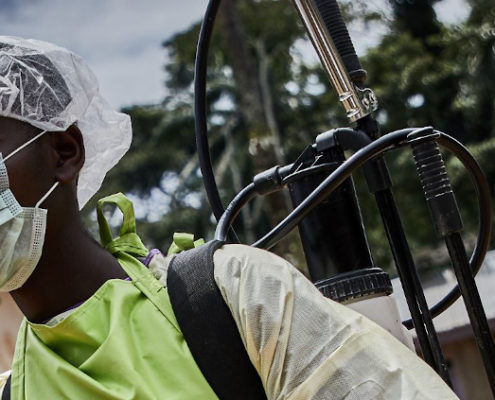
(357, 102)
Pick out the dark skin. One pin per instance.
(72, 266)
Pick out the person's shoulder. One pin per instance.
(249, 255)
(247, 260)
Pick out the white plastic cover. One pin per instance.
(52, 88)
(383, 311)
(305, 346)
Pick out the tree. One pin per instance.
(418, 18)
(262, 97)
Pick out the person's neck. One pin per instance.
(72, 268)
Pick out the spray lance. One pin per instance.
(326, 207)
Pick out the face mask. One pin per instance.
(22, 232)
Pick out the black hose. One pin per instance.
(334, 179)
(200, 120)
(362, 156)
(233, 209)
(201, 66)
(334, 22)
(329, 184)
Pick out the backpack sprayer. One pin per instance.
(323, 195)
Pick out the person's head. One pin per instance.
(33, 170)
(53, 90)
(58, 139)
(33, 90)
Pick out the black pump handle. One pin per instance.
(334, 22)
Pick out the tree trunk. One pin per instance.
(243, 66)
(417, 17)
(252, 105)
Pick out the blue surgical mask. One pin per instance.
(22, 232)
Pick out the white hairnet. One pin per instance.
(52, 88)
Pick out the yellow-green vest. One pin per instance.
(123, 343)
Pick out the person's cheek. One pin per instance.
(29, 176)
(22, 184)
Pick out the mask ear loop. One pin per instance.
(38, 204)
(24, 145)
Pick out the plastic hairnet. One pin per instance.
(52, 88)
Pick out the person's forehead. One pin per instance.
(14, 133)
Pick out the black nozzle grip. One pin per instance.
(436, 185)
(334, 22)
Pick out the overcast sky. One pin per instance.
(121, 39)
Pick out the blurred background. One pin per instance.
(430, 62)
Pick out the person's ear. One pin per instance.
(69, 150)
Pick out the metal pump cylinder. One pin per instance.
(333, 235)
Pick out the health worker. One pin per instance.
(98, 323)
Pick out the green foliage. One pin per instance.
(440, 80)
(423, 73)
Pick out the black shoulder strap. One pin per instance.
(208, 326)
(6, 389)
